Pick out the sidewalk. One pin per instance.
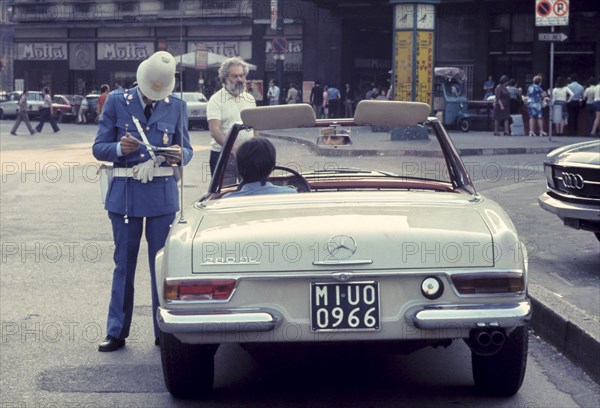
(485, 143)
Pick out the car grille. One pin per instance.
(577, 181)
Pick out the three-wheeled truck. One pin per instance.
(450, 97)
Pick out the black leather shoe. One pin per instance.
(111, 344)
(157, 341)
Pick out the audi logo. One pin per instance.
(571, 180)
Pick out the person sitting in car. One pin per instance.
(256, 160)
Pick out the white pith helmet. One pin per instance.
(156, 75)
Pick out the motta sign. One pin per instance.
(125, 51)
(292, 47)
(42, 51)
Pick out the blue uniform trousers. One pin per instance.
(127, 244)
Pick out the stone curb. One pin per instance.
(571, 330)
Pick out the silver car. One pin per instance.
(10, 107)
(196, 109)
(573, 181)
(386, 242)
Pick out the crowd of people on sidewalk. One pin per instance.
(567, 101)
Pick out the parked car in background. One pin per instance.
(196, 109)
(62, 109)
(10, 107)
(573, 185)
(385, 243)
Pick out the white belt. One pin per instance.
(128, 171)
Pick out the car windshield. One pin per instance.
(339, 154)
(194, 97)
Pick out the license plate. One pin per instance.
(344, 306)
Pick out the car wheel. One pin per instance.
(1, 114)
(464, 124)
(188, 369)
(502, 373)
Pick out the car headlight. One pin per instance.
(548, 173)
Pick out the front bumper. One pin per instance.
(569, 212)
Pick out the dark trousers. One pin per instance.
(127, 244)
(46, 116)
(573, 110)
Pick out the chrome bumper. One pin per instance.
(569, 210)
(217, 321)
(505, 315)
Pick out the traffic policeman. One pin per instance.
(135, 124)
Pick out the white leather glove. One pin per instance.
(159, 160)
(144, 172)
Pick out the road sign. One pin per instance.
(551, 13)
(280, 45)
(552, 37)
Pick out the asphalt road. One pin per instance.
(56, 265)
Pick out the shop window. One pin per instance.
(218, 4)
(127, 7)
(171, 5)
(522, 27)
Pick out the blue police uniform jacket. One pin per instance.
(167, 126)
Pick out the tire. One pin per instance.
(1, 114)
(188, 369)
(502, 374)
(464, 125)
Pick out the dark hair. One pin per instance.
(503, 79)
(46, 91)
(255, 160)
(592, 81)
(104, 88)
(560, 82)
(512, 82)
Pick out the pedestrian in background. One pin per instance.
(560, 96)
(588, 96)
(316, 99)
(83, 109)
(501, 106)
(334, 97)
(292, 94)
(104, 90)
(488, 88)
(515, 99)
(596, 104)
(535, 95)
(46, 113)
(326, 101)
(273, 93)
(22, 115)
(574, 105)
(348, 98)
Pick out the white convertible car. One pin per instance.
(386, 242)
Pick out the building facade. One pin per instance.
(75, 46)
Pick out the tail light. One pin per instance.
(489, 282)
(199, 289)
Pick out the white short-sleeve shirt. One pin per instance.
(225, 107)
